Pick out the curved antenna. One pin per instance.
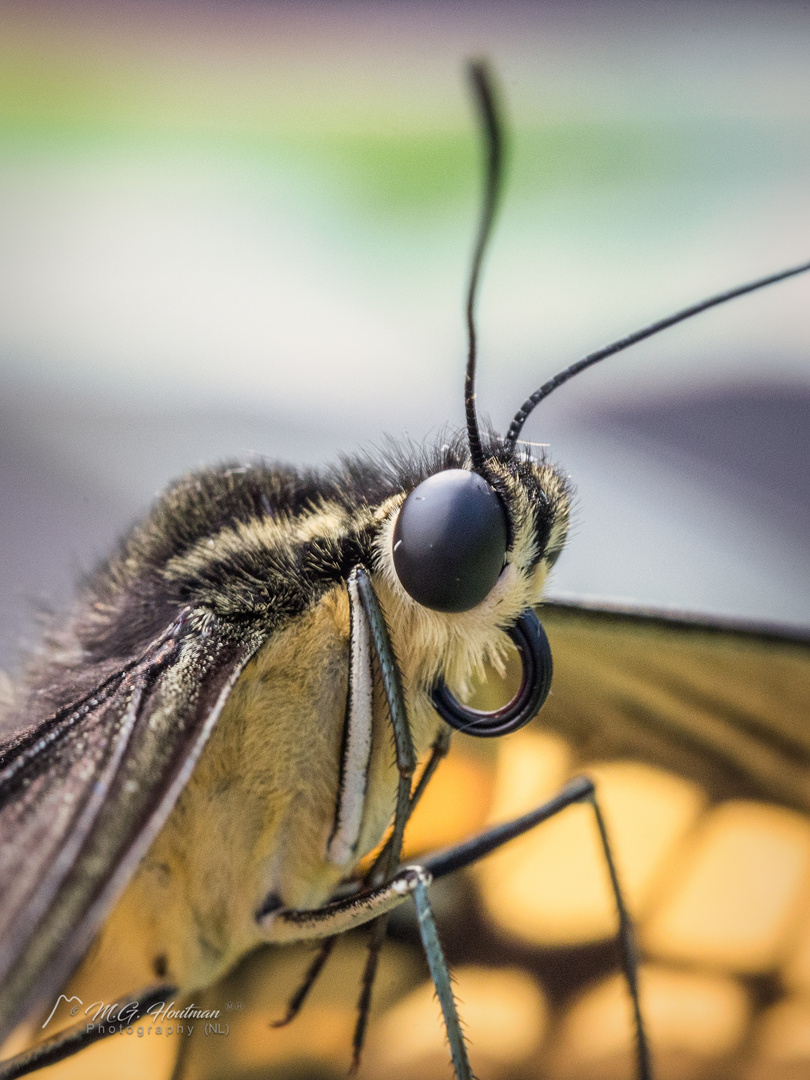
(528, 405)
(490, 119)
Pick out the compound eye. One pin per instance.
(450, 541)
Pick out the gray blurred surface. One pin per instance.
(246, 231)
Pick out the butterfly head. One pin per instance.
(464, 558)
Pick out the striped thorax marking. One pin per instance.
(356, 755)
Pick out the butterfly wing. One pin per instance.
(83, 794)
(723, 703)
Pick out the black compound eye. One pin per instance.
(450, 541)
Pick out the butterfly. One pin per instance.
(188, 606)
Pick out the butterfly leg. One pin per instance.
(296, 1002)
(578, 790)
(441, 980)
(395, 699)
(406, 764)
(389, 857)
(374, 904)
(287, 925)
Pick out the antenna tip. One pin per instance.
(482, 81)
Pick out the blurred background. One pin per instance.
(239, 229)
(244, 229)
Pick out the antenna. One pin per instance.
(490, 119)
(528, 405)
